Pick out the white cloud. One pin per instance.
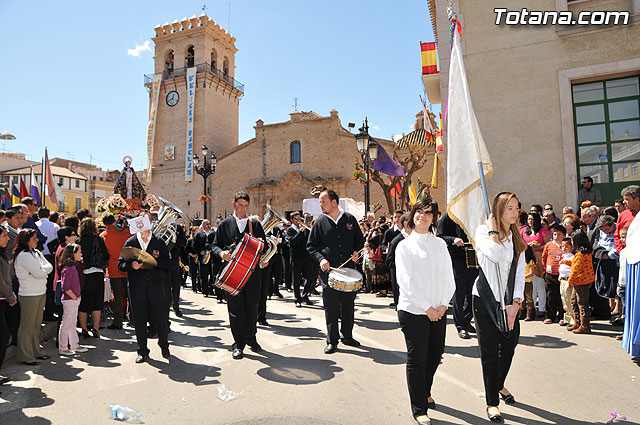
(396, 137)
(135, 52)
(375, 127)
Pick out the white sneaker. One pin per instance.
(67, 353)
(81, 349)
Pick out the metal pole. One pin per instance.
(367, 194)
(204, 204)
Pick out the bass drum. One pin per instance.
(244, 259)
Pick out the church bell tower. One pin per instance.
(197, 105)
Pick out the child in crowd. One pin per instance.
(551, 256)
(564, 271)
(580, 280)
(622, 275)
(528, 307)
(68, 335)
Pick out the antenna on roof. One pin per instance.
(295, 103)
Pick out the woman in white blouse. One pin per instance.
(425, 278)
(31, 270)
(496, 245)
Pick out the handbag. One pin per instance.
(58, 295)
(107, 290)
(488, 300)
(376, 255)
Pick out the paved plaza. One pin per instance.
(557, 377)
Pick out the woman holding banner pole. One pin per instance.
(497, 294)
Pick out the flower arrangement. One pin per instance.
(116, 203)
(360, 176)
(151, 201)
(133, 205)
(204, 198)
(101, 207)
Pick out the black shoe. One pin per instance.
(114, 327)
(95, 333)
(463, 334)
(237, 354)
(431, 404)
(314, 292)
(330, 349)
(4, 379)
(307, 301)
(509, 399)
(350, 342)
(33, 363)
(471, 329)
(255, 347)
(298, 304)
(263, 322)
(279, 295)
(85, 334)
(44, 357)
(141, 358)
(494, 418)
(178, 312)
(165, 353)
(617, 322)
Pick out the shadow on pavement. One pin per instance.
(545, 341)
(387, 357)
(19, 398)
(376, 325)
(471, 351)
(181, 371)
(294, 370)
(549, 417)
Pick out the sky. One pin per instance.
(72, 72)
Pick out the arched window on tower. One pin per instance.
(168, 64)
(294, 150)
(189, 57)
(225, 69)
(214, 61)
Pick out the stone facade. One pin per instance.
(520, 81)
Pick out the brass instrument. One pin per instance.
(206, 258)
(164, 228)
(271, 218)
(183, 266)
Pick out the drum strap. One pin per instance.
(250, 223)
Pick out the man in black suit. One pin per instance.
(175, 282)
(301, 262)
(201, 244)
(243, 307)
(392, 231)
(147, 295)
(390, 259)
(277, 263)
(335, 239)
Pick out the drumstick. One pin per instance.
(342, 265)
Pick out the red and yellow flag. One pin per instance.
(439, 146)
(429, 58)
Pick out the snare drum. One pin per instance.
(345, 280)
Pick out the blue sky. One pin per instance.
(68, 82)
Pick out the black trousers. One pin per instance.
(464, 277)
(265, 283)
(118, 285)
(4, 330)
(50, 306)
(496, 352)
(148, 302)
(554, 301)
(193, 271)
(288, 273)
(425, 346)
(303, 268)
(205, 276)
(176, 283)
(243, 311)
(12, 314)
(337, 305)
(277, 271)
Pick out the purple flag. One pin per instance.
(35, 191)
(385, 164)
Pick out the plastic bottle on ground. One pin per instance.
(123, 413)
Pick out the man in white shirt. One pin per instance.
(50, 230)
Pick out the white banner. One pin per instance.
(153, 113)
(191, 94)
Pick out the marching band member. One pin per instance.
(147, 291)
(425, 277)
(334, 239)
(201, 244)
(243, 307)
(301, 262)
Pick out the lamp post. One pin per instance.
(368, 152)
(5, 135)
(205, 169)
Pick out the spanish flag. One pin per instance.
(429, 58)
(439, 146)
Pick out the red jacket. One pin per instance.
(115, 239)
(624, 220)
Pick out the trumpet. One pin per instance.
(206, 258)
(183, 266)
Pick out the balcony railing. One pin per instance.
(201, 67)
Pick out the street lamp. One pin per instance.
(5, 135)
(368, 152)
(207, 168)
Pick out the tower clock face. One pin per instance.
(172, 98)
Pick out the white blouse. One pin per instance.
(424, 273)
(490, 254)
